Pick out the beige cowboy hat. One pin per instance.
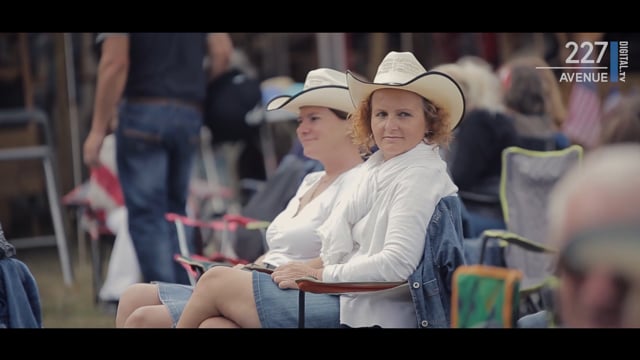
(401, 70)
(322, 87)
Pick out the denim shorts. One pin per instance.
(278, 308)
(174, 297)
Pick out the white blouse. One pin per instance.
(291, 236)
(385, 223)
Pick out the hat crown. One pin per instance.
(324, 77)
(322, 87)
(398, 68)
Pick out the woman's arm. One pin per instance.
(400, 228)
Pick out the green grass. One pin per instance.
(65, 306)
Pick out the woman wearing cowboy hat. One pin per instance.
(378, 232)
(323, 130)
(408, 113)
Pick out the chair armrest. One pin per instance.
(247, 222)
(218, 225)
(313, 285)
(20, 116)
(257, 267)
(197, 265)
(514, 239)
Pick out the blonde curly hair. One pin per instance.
(437, 121)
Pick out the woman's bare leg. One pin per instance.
(218, 322)
(138, 296)
(150, 316)
(222, 292)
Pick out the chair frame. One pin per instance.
(195, 265)
(44, 152)
(508, 237)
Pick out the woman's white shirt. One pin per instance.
(379, 233)
(291, 236)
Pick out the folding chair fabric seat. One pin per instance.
(527, 178)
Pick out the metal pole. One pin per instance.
(74, 127)
(406, 41)
(332, 50)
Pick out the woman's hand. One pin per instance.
(285, 275)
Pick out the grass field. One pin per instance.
(65, 306)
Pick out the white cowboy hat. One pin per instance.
(322, 87)
(401, 70)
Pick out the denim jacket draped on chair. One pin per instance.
(431, 282)
(19, 296)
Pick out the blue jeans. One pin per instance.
(155, 149)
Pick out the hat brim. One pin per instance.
(435, 86)
(330, 96)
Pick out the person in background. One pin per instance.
(622, 123)
(323, 130)
(534, 101)
(594, 212)
(475, 159)
(378, 232)
(155, 84)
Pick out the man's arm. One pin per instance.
(112, 76)
(220, 49)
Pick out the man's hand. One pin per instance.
(91, 149)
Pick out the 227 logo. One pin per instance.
(586, 61)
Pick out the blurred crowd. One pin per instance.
(513, 96)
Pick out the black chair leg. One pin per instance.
(300, 309)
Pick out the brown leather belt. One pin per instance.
(166, 101)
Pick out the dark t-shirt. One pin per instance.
(479, 142)
(167, 65)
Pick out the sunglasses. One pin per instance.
(615, 247)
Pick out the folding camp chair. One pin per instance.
(445, 225)
(35, 119)
(484, 200)
(526, 181)
(488, 295)
(93, 222)
(196, 264)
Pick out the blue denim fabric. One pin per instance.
(431, 282)
(19, 296)
(175, 298)
(278, 308)
(155, 150)
(538, 320)
(473, 224)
